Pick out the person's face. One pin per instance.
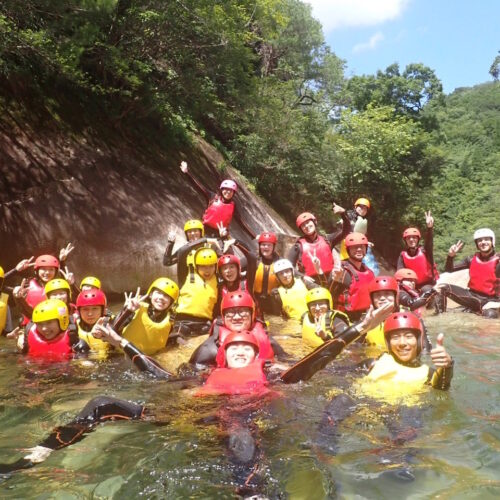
(383, 297)
(48, 329)
(229, 272)
(318, 308)
(59, 294)
(357, 252)
(238, 319)
(266, 249)
(361, 210)
(484, 245)
(206, 272)
(285, 277)
(403, 344)
(308, 227)
(90, 314)
(412, 241)
(47, 273)
(159, 300)
(239, 354)
(193, 234)
(227, 194)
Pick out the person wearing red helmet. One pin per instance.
(221, 206)
(409, 297)
(230, 279)
(312, 245)
(394, 385)
(238, 313)
(420, 258)
(260, 274)
(483, 293)
(349, 284)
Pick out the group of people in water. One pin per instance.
(225, 290)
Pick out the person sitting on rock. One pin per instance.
(484, 276)
(221, 206)
(409, 297)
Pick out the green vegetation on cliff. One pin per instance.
(256, 78)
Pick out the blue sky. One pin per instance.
(457, 39)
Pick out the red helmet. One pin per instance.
(304, 217)
(46, 261)
(93, 297)
(229, 259)
(402, 321)
(244, 336)
(380, 283)
(405, 274)
(411, 231)
(267, 238)
(229, 184)
(238, 298)
(354, 239)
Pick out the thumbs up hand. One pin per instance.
(439, 356)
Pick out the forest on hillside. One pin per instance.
(255, 78)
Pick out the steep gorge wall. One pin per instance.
(114, 201)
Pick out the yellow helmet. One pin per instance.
(52, 309)
(167, 286)
(2, 272)
(91, 281)
(57, 284)
(205, 257)
(194, 224)
(319, 293)
(362, 201)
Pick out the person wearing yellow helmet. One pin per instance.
(221, 206)
(90, 283)
(198, 296)
(147, 320)
(50, 335)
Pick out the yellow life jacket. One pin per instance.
(309, 336)
(375, 336)
(146, 334)
(4, 298)
(294, 299)
(96, 345)
(264, 272)
(197, 296)
(394, 383)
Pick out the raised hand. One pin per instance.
(65, 251)
(439, 356)
(337, 209)
(429, 219)
(21, 291)
(133, 302)
(15, 333)
(454, 249)
(223, 232)
(104, 331)
(184, 167)
(68, 275)
(171, 235)
(316, 262)
(374, 317)
(24, 264)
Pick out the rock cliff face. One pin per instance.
(114, 202)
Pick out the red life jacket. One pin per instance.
(250, 379)
(55, 350)
(421, 266)
(356, 297)
(482, 277)
(218, 212)
(266, 352)
(36, 293)
(323, 252)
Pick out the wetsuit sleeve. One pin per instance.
(336, 237)
(275, 303)
(401, 263)
(200, 187)
(24, 307)
(412, 303)
(441, 378)
(144, 363)
(452, 267)
(339, 325)
(338, 287)
(123, 318)
(429, 248)
(252, 260)
(242, 223)
(169, 258)
(294, 253)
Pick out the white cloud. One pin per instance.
(344, 13)
(370, 44)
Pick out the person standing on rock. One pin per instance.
(221, 206)
(484, 276)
